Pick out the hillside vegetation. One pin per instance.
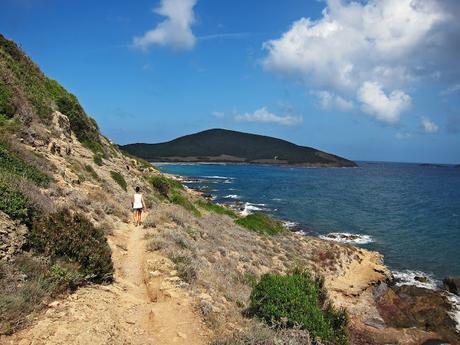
(220, 145)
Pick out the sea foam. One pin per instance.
(346, 237)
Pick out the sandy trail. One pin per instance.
(145, 305)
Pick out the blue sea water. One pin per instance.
(410, 212)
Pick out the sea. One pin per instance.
(408, 212)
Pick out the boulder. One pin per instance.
(452, 284)
(414, 307)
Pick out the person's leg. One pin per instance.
(140, 217)
(136, 222)
(134, 217)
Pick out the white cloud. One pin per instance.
(262, 115)
(386, 108)
(429, 126)
(328, 101)
(218, 114)
(358, 49)
(175, 30)
(451, 89)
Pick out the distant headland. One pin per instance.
(221, 145)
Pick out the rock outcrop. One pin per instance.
(12, 237)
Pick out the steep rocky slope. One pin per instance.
(73, 270)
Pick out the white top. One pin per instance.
(137, 201)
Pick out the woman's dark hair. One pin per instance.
(137, 189)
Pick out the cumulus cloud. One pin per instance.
(175, 31)
(262, 115)
(386, 108)
(429, 126)
(372, 51)
(329, 100)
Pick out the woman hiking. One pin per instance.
(138, 205)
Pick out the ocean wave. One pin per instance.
(292, 226)
(455, 313)
(232, 196)
(251, 208)
(415, 278)
(217, 177)
(345, 237)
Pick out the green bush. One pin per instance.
(178, 198)
(216, 208)
(98, 160)
(11, 163)
(118, 178)
(14, 203)
(91, 171)
(74, 238)
(7, 107)
(164, 184)
(297, 300)
(261, 223)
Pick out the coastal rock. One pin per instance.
(409, 306)
(452, 284)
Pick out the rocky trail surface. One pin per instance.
(146, 304)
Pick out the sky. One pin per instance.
(368, 80)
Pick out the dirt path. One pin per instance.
(146, 304)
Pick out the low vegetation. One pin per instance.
(18, 186)
(260, 334)
(119, 179)
(89, 169)
(219, 209)
(297, 300)
(177, 197)
(73, 238)
(11, 163)
(27, 284)
(164, 185)
(261, 223)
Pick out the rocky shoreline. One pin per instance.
(384, 306)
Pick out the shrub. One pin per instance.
(40, 280)
(298, 300)
(261, 223)
(164, 184)
(216, 208)
(178, 198)
(185, 267)
(97, 160)
(10, 162)
(118, 178)
(13, 202)
(73, 237)
(7, 107)
(91, 171)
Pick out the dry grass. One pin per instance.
(225, 260)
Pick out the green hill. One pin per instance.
(221, 145)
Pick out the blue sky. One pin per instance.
(368, 80)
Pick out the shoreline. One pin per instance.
(398, 278)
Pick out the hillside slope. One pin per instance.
(221, 145)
